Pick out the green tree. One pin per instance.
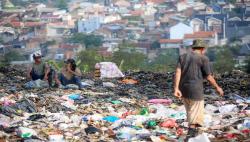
(13, 56)
(211, 54)
(224, 61)
(206, 1)
(61, 4)
(86, 60)
(130, 61)
(155, 45)
(248, 66)
(231, 1)
(1, 40)
(89, 41)
(165, 62)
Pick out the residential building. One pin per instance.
(210, 38)
(66, 51)
(111, 18)
(55, 30)
(237, 25)
(210, 22)
(170, 43)
(7, 34)
(179, 30)
(172, 46)
(89, 25)
(122, 4)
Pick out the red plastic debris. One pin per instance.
(179, 131)
(170, 123)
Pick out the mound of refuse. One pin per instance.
(137, 107)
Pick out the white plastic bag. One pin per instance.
(227, 108)
(200, 138)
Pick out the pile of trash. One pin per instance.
(137, 107)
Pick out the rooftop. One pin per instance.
(201, 34)
(170, 40)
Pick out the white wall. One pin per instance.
(170, 45)
(178, 31)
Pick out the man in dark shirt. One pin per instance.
(191, 69)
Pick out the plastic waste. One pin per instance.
(246, 131)
(56, 138)
(239, 99)
(144, 111)
(179, 132)
(160, 101)
(85, 84)
(36, 84)
(230, 136)
(116, 102)
(30, 84)
(162, 111)
(200, 138)
(26, 132)
(227, 108)
(211, 108)
(109, 84)
(69, 105)
(109, 70)
(35, 117)
(129, 81)
(207, 120)
(71, 86)
(151, 124)
(111, 118)
(94, 117)
(247, 123)
(76, 120)
(155, 139)
(126, 133)
(91, 130)
(5, 101)
(125, 136)
(170, 123)
(179, 115)
(4, 121)
(63, 126)
(74, 96)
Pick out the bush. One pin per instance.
(165, 62)
(86, 60)
(89, 41)
(224, 61)
(248, 66)
(13, 56)
(129, 61)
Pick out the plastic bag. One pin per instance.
(200, 138)
(111, 118)
(26, 132)
(227, 108)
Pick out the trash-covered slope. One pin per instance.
(138, 107)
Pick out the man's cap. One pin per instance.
(35, 55)
(199, 43)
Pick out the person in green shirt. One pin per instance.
(39, 69)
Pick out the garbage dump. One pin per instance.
(137, 107)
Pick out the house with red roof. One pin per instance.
(68, 50)
(210, 37)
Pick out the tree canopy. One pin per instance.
(87, 40)
(224, 60)
(61, 4)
